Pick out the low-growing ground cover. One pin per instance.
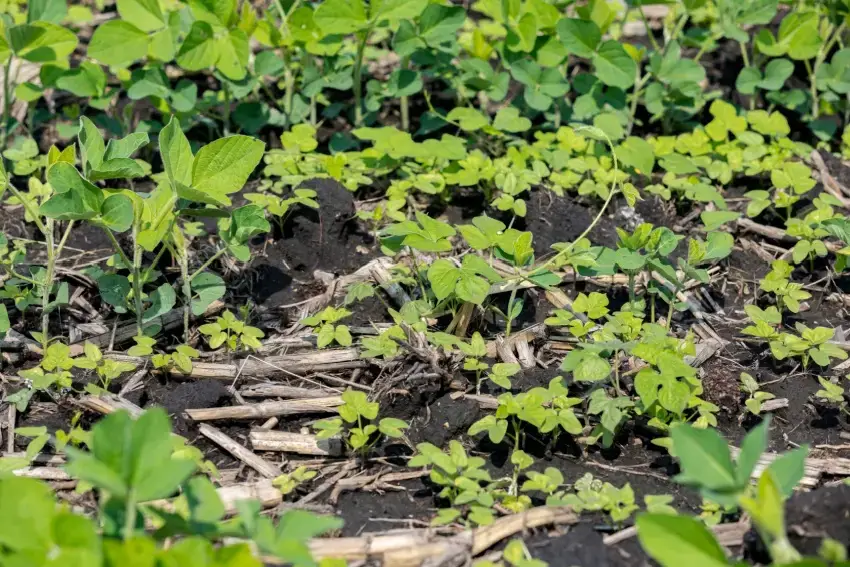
(422, 283)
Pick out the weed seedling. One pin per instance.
(354, 424)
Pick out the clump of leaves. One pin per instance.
(755, 397)
(811, 344)
(327, 329)
(234, 334)
(788, 294)
(515, 554)
(465, 483)
(287, 483)
(181, 358)
(707, 464)
(355, 426)
(107, 369)
(591, 494)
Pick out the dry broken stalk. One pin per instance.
(302, 444)
(265, 410)
(230, 445)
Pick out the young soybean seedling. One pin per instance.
(327, 330)
(107, 370)
(358, 412)
(234, 334)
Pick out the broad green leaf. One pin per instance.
(223, 166)
(340, 16)
(117, 213)
(715, 219)
(394, 10)
(53, 11)
(580, 37)
(704, 458)
(176, 153)
(215, 12)
(42, 42)
(208, 287)
(670, 539)
(788, 469)
(88, 80)
(28, 508)
(126, 146)
(508, 119)
(614, 66)
(144, 14)
(113, 290)
(638, 154)
(75, 198)
(133, 42)
(233, 53)
(752, 447)
(469, 119)
(162, 301)
(200, 50)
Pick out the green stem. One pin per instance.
(206, 264)
(404, 102)
(47, 284)
(509, 318)
(632, 298)
(130, 515)
(7, 101)
(362, 38)
(639, 82)
(649, 33)
(676, 31)
(36, 217)
(670, 314)
(652, 310)
(117, 247)
(834, 35)
(187, 290)
(744, 55)
(137, 278)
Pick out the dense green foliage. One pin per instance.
(147, 120)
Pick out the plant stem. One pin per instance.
(639, 82)
(47, 284)
(676, 31)
(813, 89)
(206, 264)
(834, 35)
(130, 515)
(669, 315)
(7, 101)
(632, 298)
(28, 207)
(117, 247)
(744, 55)
(137, 279)
(649, 34)
(187, 290)
(404, 102)
(509, 318)
(362, 38)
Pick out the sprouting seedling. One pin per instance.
(464, 481)
(327, 329)
(755, 396)
(181, 357)
(107, 370)
(788, 294)
(358, 413)
(474, 351)
(234, 334)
